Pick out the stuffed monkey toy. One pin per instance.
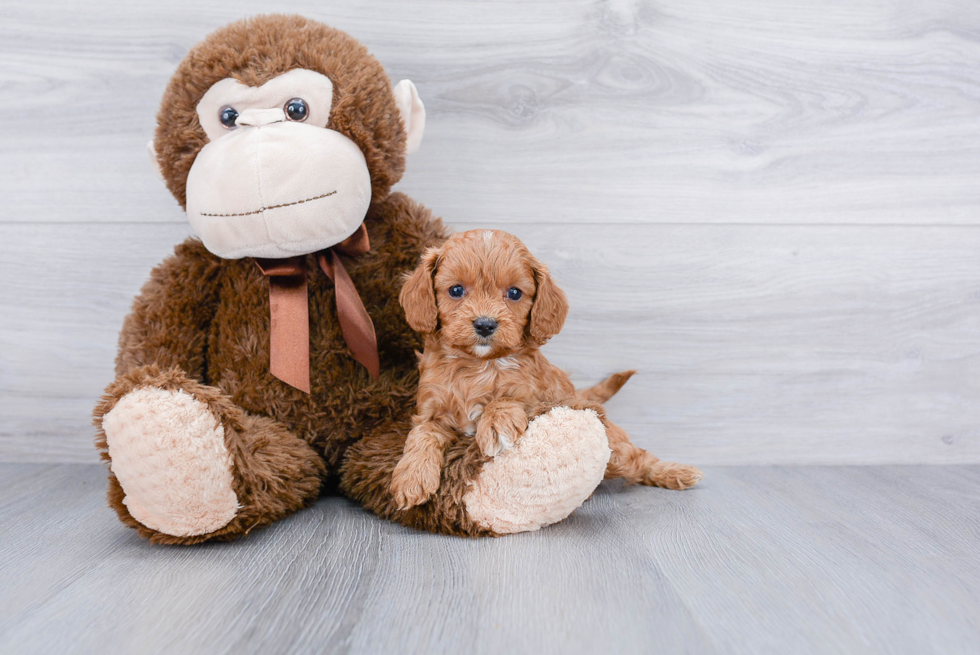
(269, 356)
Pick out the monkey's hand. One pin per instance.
(503, 422)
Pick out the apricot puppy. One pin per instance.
(486, 306)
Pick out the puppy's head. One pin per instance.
(485, 294)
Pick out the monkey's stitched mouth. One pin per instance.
(285, 204)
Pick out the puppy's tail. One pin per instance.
(605, 389)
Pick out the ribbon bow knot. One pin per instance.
(289, 342)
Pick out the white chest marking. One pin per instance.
(507, 363)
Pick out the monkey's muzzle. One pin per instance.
(277, 189)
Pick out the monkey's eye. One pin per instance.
(456, 291)
(514, 293)
(296, 110)
(228, 116)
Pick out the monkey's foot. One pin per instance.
(168, 451)
(188, 465)
(552, 470)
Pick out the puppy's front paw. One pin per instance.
(414, 481)
(670, 475)
(500, 427)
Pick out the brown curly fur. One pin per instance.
(255, 50)
(201, 323)
(204, 321)
(490, 394)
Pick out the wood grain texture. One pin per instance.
(758, 559)
(864, 111)
(755, 344)
(770, 209)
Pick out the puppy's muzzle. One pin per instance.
(485, 326)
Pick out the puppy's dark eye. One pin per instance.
(514, 293)
(228, 116)
(456, 291)
(296, 110)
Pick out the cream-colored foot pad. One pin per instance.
(552, 470)
(168, 453)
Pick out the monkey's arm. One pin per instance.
(186, 463)
(168, 324)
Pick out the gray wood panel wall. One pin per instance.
(770, 209)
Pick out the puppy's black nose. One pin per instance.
(485, 326)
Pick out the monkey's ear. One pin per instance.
(412, 112)
(418, 296)
(153, 158)
(550, 306)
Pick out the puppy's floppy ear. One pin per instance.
(418, 296)
(550, 306)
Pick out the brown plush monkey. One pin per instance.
(282, 137)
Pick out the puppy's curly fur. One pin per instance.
(486, 306)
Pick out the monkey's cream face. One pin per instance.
(273, 181)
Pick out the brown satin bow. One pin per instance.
(289, 343)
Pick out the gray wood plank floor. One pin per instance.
(755, 560)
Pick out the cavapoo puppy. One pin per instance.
(486, 306)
